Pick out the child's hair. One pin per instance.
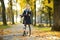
(28, 5)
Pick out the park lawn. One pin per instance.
(46, 31)
(43, 28)
(4, 26)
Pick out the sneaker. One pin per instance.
(30, 35)
(24, 34)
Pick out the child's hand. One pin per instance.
(21, 16)
(29, 14)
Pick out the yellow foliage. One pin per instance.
(23, 4)
(48, 4)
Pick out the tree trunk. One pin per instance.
(35, 12)
(3, 12)
(49, 18)
(49, 13)
(56, 25)
(12, 12)
(16, 12)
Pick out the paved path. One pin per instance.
(15, 33)
(16, 29)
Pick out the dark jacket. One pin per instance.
(27, 17)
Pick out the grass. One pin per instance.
(4, 26)
(43, 28)
(47, 30)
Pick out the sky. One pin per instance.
(6, 3)
(0, 3)
(14, 6)
(38, 5)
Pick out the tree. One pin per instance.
(22, 4)
(49, 1)
(11, 11)
(3, 12)
(56, 17)
(35, 11)
(49, 13)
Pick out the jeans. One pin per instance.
(25, 29)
